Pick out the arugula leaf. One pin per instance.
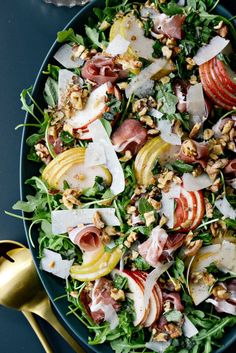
(173, 316)
(180, 166)
(157, 49)
(107, 125)
(167, 98)
(141, 264)
(93, 35)
(51, 92)
(231, 223)
(171, 9)
(33, 139)
(96, 189)
(69, 35)
(53, 71)
(144, 206)
(67, 138)
(120, 282)
(29, 108)
(178, 270)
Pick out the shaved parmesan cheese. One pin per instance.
(145, 90)
(134, 33)
(148, 12)
(165, 127)
(119, 45)
(227, 257)
(144, 76)
(151, 279)
(196, 105)
(52, 262)
(225, 208)
(223, 306)
(192, 183)
(155, 113)
(64, 56)
(181, 3)
(158, 347)
(174, 191)
(232, 183)
(188, 327)
(63, 219)
(94, 108)
(99, 135)
(65, 78)
(167, 209)
(95, 154)
(209, 51)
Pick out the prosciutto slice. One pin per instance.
(101, 69)
(87, 238)
(169, 26)
(174, 298)
(230, 169)
(131, 135)
(159, 246)
(100, 297)
(200, 156)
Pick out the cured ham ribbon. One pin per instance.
(101, 69)
(194, 152)
(87, 238)
(130, 135)
(100, 298)
(169, 26)
(230, 169)
(174, 298)
(159, 246)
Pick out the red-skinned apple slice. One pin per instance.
(200, 209)
(227, 73)
(190, 206)
(209, 92)
(85, 134)
(223, 91)
(224, 79)
(94, 108)
(136, 294)
(212, 84)
(154, 310)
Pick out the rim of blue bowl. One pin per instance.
(45, 278)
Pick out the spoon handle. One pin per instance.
(33, 323)
(50, 317)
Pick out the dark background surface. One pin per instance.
(27, 30)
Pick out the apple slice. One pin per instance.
(190, 206)
(221, 90)
(94, 108)
(226, 72)
(136, 294)
(212, 86)
(154, 307)
(225, 80)
(208, 90)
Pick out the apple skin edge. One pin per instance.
(217, 84)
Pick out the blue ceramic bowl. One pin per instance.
(53, 285)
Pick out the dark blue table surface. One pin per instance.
(27, 30)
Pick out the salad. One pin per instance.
(135, 202)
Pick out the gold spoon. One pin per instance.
(20, 288)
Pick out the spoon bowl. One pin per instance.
(21, 289)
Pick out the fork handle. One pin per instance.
(51, 318)
(35, 326)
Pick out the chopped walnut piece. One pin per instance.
(193, 247)
(208, 279)
(189, 149)
(70, 198)
(218, 229)
(43, 153)
(208, 207)
(147, 120)
(127, 156)
(167, 52)
(159, 336)
(173, 330)
(155, 204)
(208, 134)
(149, 218)
(163, 220)
(196, 277)
(195, 130)
(97, 220)
(117, 294)
(164, 180)
(220, 292)
(130, 239)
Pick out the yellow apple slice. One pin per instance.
(70, 166)
(103, 266)
(153, 151)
